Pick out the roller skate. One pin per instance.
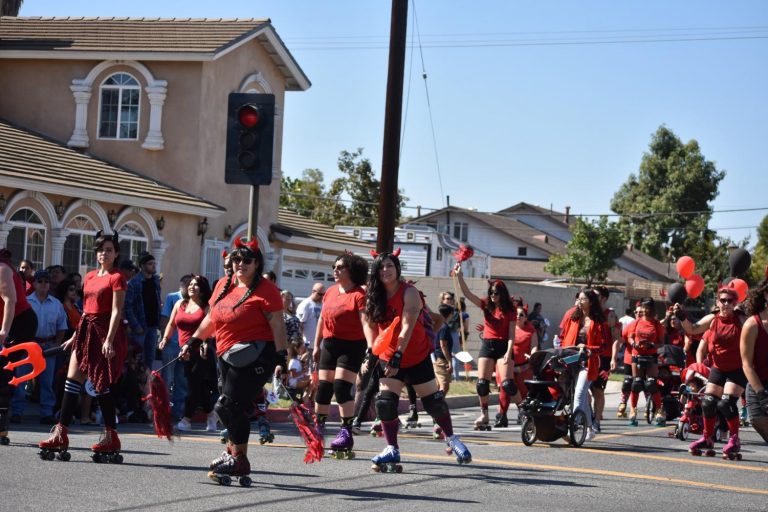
(224, 436)
(221, 459)
(412, 421)
(55, 446)
(341, 447)
(632, 417)
(437, 432)
(4, 441)
(621, 413)
(660, 420)
(702, 445)
(356, 428)
(482, 423)
(376, 429)
(732, 449)
(388, 461)
(108, 448)
(265, 435)
(456, 447)
(236, 466)
(744, 419)
(501, 420)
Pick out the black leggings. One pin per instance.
(201, 383)
(370, 386)
(240, 389)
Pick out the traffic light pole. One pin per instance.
(253, 212)
(392, 124)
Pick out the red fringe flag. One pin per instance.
(463, 253)
(305, 422)
(160, 404)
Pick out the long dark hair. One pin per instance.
(205, 289)
(258, 258)
(756, 303)
(376, 294)
(61, 290)
(596, 313)
(101, 238)
(505, 301)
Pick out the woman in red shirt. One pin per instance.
(585, 329)
(19, 324)
(754, 358)
(246, 318)
(407, 361)
(100, 346)
(726, 380)
(200, 368)
(340, 345)
(626, 385)
(645, 336)
(526, 343)
(497, 348)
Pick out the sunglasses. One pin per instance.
(727, 300)
(493, 292)
(245, 261)
(338, 267)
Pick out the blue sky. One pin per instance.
(525, 106)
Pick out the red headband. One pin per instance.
(224, 254)
(252, 245)
(395, 253)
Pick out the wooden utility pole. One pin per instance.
(392, 125)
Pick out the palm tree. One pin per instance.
(10, 7)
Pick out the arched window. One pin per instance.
(79, 255)
(132, 242)
(119, 110)
(26, 239)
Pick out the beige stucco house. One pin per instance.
(117, 123)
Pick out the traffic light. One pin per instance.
(250, 139)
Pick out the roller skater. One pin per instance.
(732, 449)
(482, 423)
(265, 434)
(108, 448)
(412, 421)
(501, 420)
(388, 461)
(703, 445)
(341, 447)
(225, 455)
(744, 419)
(376, 430)
(437, 432)
(456, 447)
(621, 412)
(234, 466)
(632, 417)
(55, 446)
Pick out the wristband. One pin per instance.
(195, 342)
(394, 362)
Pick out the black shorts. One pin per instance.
(719, 377)
(493, 349)
(601, 382)
(413, 375)
(336, 353)
(753, 405)
(645, 362)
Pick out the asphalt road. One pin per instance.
(625, 468)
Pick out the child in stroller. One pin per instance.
(548, 406)
(695, 378)
(671, 361)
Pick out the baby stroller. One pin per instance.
(548, 406)
(691, 391)
(671, 362)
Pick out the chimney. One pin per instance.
(567, 218)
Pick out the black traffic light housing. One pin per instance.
(250, 139)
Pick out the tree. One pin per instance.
(673, 177)
(759, 268)
(591, 253)
(10, 7)
(307, 196)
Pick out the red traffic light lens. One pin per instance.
(248, 116)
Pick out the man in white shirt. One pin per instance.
(309, 314)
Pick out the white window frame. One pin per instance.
(120, 89)
(463, 231)
(86, 259)
(26, 226)
(134, 240)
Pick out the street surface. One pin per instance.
(625, 468)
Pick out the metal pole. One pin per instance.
(392, 125)
(253, 212)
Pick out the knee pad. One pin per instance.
(324, 392)
(435, 404)
(509, 387)
(728, 406)
(637, 385)
(226, 409)
(650, 386)
(626, 385)
(386, 405)
(343, 391)
(483, 387)
(709, 405)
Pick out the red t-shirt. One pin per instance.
(496, 325)
(522, 345)
(98, 291)
(419, 346)
(187, 323)
(341, 313)
(724, 337)
(627, 348)
(21, 298)
(760, 356)
(247, 322)
(646, 332)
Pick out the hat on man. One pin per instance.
(146, 258)
(42, 274)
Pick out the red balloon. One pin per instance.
(685, 266)
(694, 286)
(741, 288)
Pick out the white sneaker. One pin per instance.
(211, 423)
(184, 425)
(591, 434)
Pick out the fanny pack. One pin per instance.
(243, 354)
(645, 361)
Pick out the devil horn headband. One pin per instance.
(395, 253)
(252, 245)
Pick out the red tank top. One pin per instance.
(21, 294)
(522, 346)
(187, 323)
(496, 325)
(760, 358)
(419, 346)
(724, 343)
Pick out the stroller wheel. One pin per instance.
(682, 431)
(577, 428)
(528, 432)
